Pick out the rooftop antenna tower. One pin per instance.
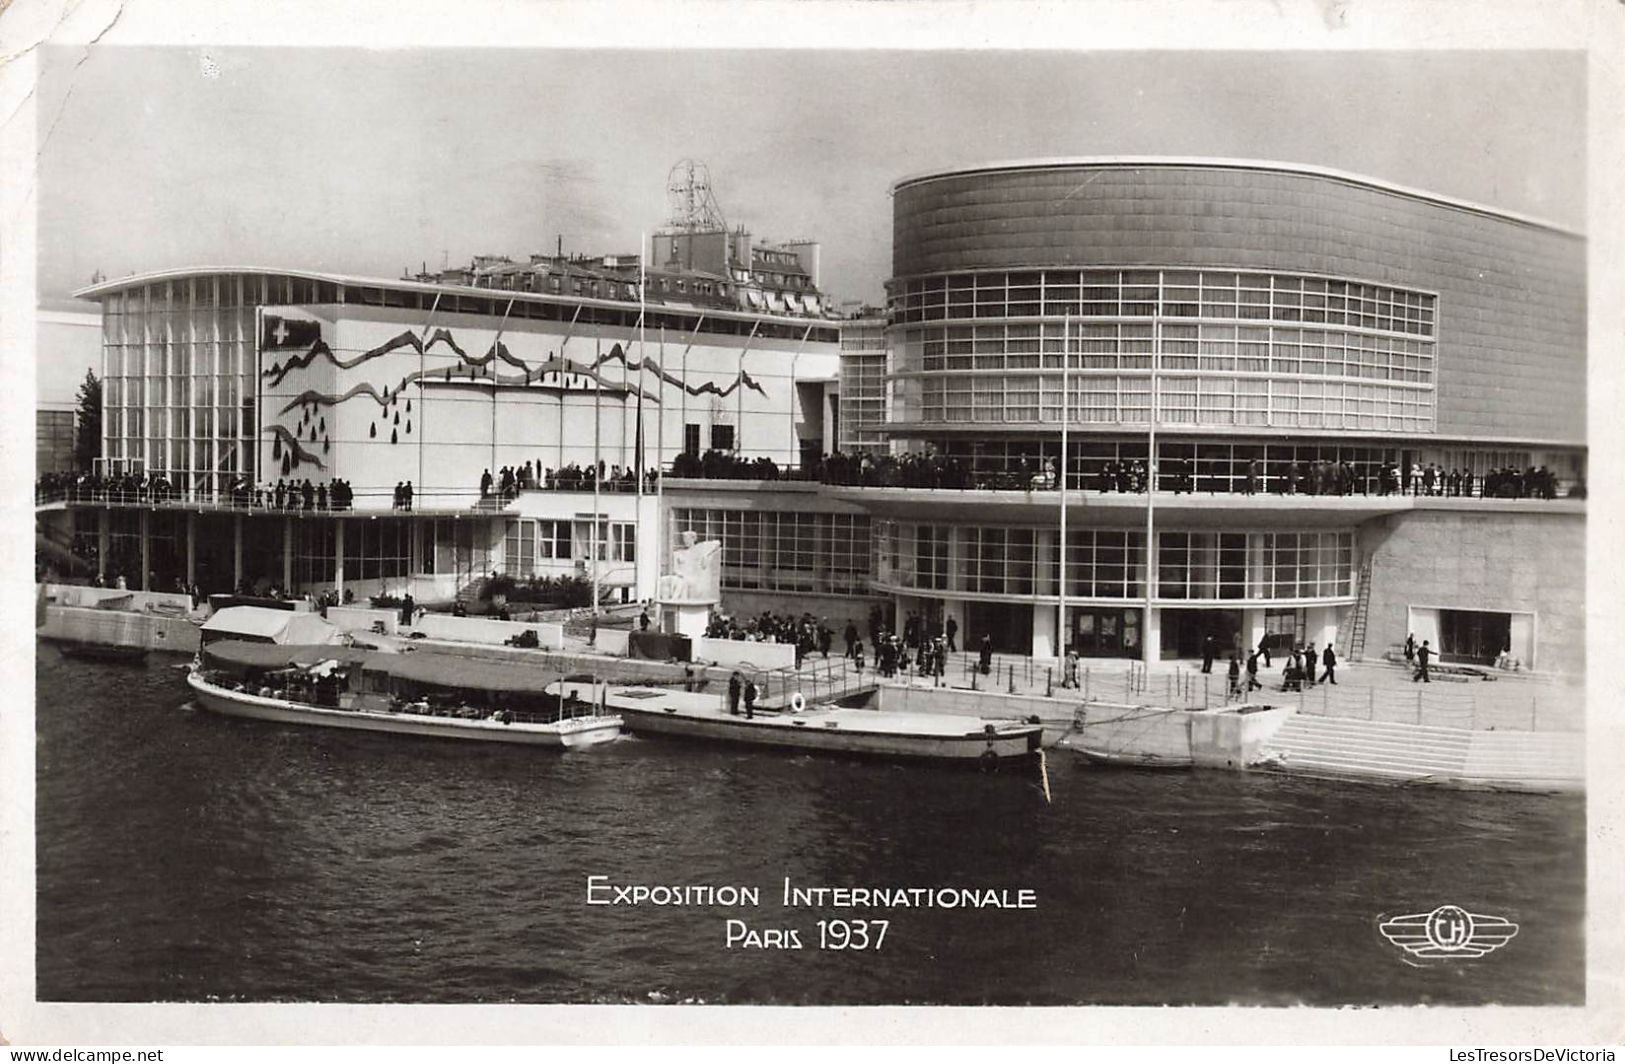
(693, 209)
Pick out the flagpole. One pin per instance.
(494, 344)
(1146, 650)
(1060, 551)
(643, 365)
(660, 460)
(597, 475)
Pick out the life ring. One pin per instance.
(798, 702)
(990, 760)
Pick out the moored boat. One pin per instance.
(1123, 758)
(116, 653)
(827, 729)
(423, 694)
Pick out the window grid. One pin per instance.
(1261, 349)
(817, 552)
(1110, 563)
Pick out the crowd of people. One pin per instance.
(297, 495)
(1188, 476)
(725, 465)
(509, 481)
(922, 646)
(123, 487)
(806, 633)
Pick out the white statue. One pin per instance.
(696, 574)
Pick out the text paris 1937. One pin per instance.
(854, 935)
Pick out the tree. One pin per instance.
(87, 440)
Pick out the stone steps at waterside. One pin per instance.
(1348, 748)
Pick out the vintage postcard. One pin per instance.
(781, 510)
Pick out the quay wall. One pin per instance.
(120, 628)
(481, 630)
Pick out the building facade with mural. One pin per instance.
(233, 389)
(1120, 406)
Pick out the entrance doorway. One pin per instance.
(1184, 630)
(1105, 632)
(1472, 636)
(1009, 623)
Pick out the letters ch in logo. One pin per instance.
(1448, 931)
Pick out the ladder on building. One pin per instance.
(1362, 607)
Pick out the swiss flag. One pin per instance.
(278, 331)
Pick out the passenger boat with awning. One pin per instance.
(822, 728)
(422, 693)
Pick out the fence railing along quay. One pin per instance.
(1509, 704)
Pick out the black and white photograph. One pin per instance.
(565, 519)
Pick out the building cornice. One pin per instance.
(1134, 162)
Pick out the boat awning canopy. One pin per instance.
(472, 674)
(244, 654)
(256, 624)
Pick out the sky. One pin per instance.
(375, 161)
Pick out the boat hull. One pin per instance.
(569, 733)
(119, 654)
(854, 732)
(1146, 761)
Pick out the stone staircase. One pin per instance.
(1536, 760)
(1340, 746)
(470, 592)
(1346, 748)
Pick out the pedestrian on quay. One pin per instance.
(1410, 649)
(1252, 673)
(1234, 677)
(1329, 659)
(1309, 659)
(851, 637)
(735, 687)
(1423, 653)
(1207, 653)
(952, 630)
(986, 662)
(857, 657)
(1264, 649)
(750, 699)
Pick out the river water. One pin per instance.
(188, 857)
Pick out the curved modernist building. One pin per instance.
(1293, 342)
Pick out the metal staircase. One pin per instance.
(1362, 608)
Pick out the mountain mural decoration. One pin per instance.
(564, 371)
(293, 454)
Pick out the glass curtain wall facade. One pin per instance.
(824, 553)
(863, 386)
(1108, 565)
(1233, 349)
